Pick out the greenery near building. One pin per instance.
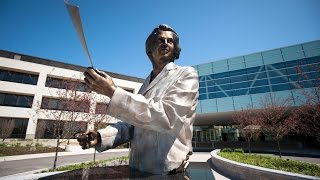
(271, 162)
(18, 149)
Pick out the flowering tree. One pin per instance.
(248, 122)
(276, 118)
(67, 110)
(309, 111)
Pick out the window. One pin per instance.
(238, 78)
(65, 105)
(202, 84)
(15, 127)
(101, 108)
(260, 82)
(202, 96)
(239, 92)
(16, 100)
(66, 84)
(259, 90)
(20, 128)
(202, 90)
(18, 77)
(240, 85)
(281, 87)
(278, 80)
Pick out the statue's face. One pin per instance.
(163, 48)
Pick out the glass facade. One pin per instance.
(15, 100)
(240, 82)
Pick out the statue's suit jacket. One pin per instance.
(159, 120)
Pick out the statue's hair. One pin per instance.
(152, 37)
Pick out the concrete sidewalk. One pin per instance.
(41, 155)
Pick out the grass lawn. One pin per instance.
(273, 163)
(18, 149)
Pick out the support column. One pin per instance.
(36, 104)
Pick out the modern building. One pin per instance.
(242, 82)
(226, 86)
(27, 82)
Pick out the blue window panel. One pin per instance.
(202, 97)
(246, 99)
(202, 78)
(209, 102)
(236, 66)
(255, 69)
(262, 82)
(278, 80)
(295, 63)
(274, 73)
(239, 92)
(312, 52)
(293, 56)
(225, 104)
(198, 109)
(312, 60)
(203, 72)
(295, 77)
(257, 90)
(210, 83)
(202, 84)
(253, 57)
(292, 71)
(278, 65)
(204, 66)
(313, 75)
(209, 109)
(212, 96)
(238, 78)
(262, 75)
(251, 76)
(229, 93)
(220, 69)
(220, 95)
(238, 72)
(220, 63)
(213, 89)
(225, 87)
(221, 75)
(273, 59)
(211, 77)
(202, 90)
(223, 81)
(281, 87)
(254, 63)
(240, 85)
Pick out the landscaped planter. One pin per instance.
(237, 170)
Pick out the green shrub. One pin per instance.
(226, 150)
(273, 163)
(238, 150)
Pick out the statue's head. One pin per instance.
(151, 40)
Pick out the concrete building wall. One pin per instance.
(39, 90)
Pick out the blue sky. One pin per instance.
(116, 30)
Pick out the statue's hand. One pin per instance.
(88, 139)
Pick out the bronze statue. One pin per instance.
(159, 119)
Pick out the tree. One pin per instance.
(309, 112)
(248, 122)
(6, 127)
(276, 118)
(66, 109)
